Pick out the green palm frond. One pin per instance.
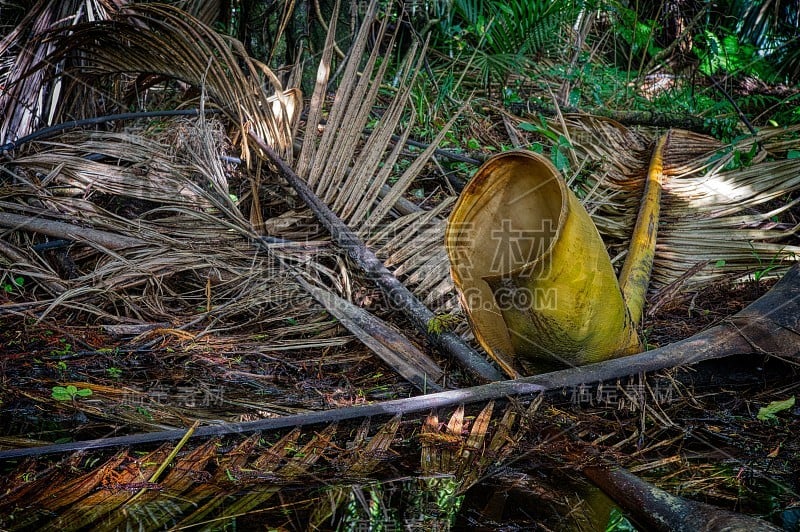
(503, 37)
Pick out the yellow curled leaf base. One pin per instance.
(532, 272)
(634, 278)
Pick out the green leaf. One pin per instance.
(143, 411)
(617, 522)
(61, 394)
(441, 323)
(793, 154)
(560, 160)
(767, 413)
(525, 126)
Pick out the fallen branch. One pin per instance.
(629, 118)
(770, 325)
(651, 508)
(393, 289)
(68, 231)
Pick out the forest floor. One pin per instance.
(693, 431)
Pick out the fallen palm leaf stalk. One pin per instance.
(66, 230)
(395, 291)
(46, 132)
(770, 325)
(391, 346)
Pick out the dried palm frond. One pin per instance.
(346, 173)
(149, 38)
(721, 204)
(31, 94)
(412, 246)
(195, 244)
(318, 470)
(166, 185)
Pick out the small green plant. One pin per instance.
(441, 322)
(69, 393)
(764, 267)
(473, 144)
(65, 349)
(636, 32)
(738, 158)
(725, 52)
(558, 153)
(114, 372)
(767, 413)
(15, 283)
(145, 412)
(617, 522)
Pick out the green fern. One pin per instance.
(500, 38)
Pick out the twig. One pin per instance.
(321, 20)
(419, 144)
(738, 109)
(772, 322)
(687, 32)
(395, 291)
(155, 476)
